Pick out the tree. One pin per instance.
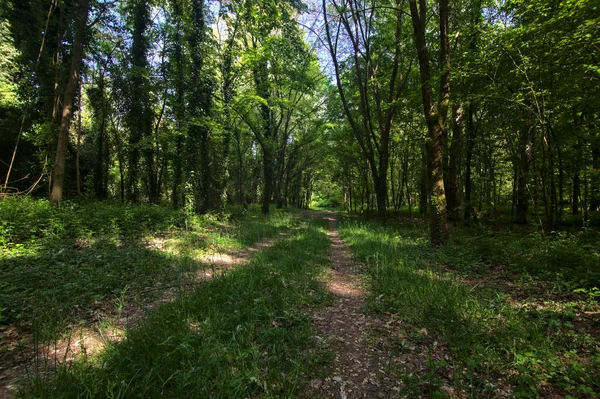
(374, 74)
(58, 179)
(435, 116)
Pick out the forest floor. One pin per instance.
(323, 306)
(91, 337)
(359, 366)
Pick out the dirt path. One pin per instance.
(359, 368)
(92, 338)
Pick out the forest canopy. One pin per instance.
(454, 110)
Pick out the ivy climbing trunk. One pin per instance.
(139, 117)
(58, 177)
(436, 119)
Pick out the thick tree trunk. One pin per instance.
(179, 107)
(437, 202)
(58, 177)
(139, 115)
(436, 121)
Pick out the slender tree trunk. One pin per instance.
(469, 163)
(240, 171)
(102, 161)
(523, 165)
(58, 178)
(268, 180)
(424, 183)
(78, 152)
(595, 177)
(452, 191)
(577, 179)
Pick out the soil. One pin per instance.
(359, 367)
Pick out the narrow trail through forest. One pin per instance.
(358, 369)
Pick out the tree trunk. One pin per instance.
(78, 151)
(595, 178)
(436, 121)
(424, 183)
(577, 179)
(58, 178)
(178, 192)
(100, 176)
(468, 164)
(179, 106)
(523, 164)
(268, 180)
(452, 190)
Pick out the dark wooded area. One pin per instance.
(473, 108)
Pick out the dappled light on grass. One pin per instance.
(102, 268)
(237, 336)
(244, 334)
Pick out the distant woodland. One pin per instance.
(451, 110)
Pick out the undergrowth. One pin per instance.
(68, 266)
(246, 334)
(502, 303)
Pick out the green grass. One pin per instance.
(495, 309)
(501, 302)
(62, 266)
(246, 334)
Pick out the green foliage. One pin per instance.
(8, 68)
(244, 334)
(59, 264)
(501, 303)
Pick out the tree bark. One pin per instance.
(436, 119)
(58, 177)
(469, 163)
(452, 190)
(424, 183)
(523, 165)
(595, 177)
(577, 179)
